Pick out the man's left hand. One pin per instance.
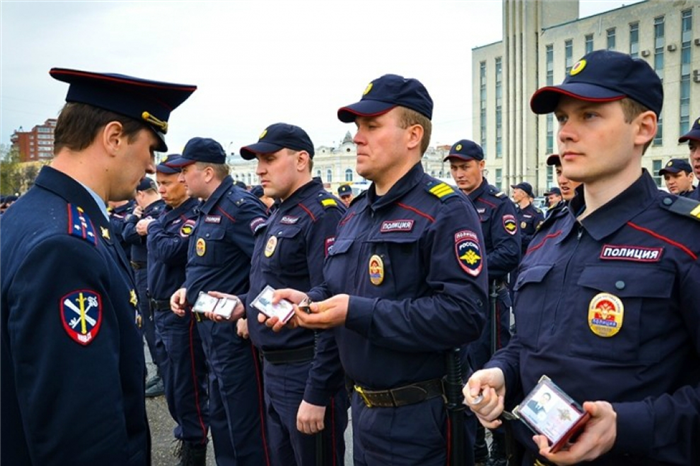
(310, 418)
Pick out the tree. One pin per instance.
(16, 177)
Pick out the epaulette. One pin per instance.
(682, 206)
(440, 190)
(80, 225)
(499, 194)
(327, 202)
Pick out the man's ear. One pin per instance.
(415, 136)
(112, 137)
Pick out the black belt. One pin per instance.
(157, 304)
(402, 396)
(289, 356)
(138, 265)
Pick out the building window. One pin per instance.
(686, 37)
(659, 137)
(634, 40)
(498, 182)
(611, 39)
(549, 59)
(318, 174)
(550, 176)
(659, 43)
(550, 133)
(656, 167)
(482, 104)
(589, 43)
(568, 55)
(348, 174)
(499, 109)
(329, 175)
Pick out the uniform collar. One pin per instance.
(224, 187)
(189, 204)
(300, 195)
(153, 206)
(98, 200)
(400, 188)
(476, 194)
(620, 210)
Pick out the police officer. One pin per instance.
(345, 194)
(183, 367)
(300, 396)
(404, 282)
(149, 205)
(678, 176)
(72, 367)
(118, 211)
(502, 244)
(693, 138)
(624, 249)
(567, 187)
(220, 250)
(529, 216)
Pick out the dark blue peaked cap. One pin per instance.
(466, 150)
(149, 102)
(605, 76)
(165, 167)
(387, 92)
(693, 134)
(276, 137)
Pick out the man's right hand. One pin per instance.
(178, 302)
(484, 394)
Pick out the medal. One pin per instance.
(270, 246)
(201, 247)
(605, 315)
(376, 270)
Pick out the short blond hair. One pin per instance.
(408, 117)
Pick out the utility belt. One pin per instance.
(402, 396)
(159, 304)
(138, 265)
(303, 354)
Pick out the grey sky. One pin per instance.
(255, 62)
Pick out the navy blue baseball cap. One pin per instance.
(605, 76)
(344, 190)
(200, 150)
(556, 191)
(146, 183)
(693, 134)
(165, 167)
(277, 137)
(466, 150)
(675, 166)
(387, 92)
(553, 160)
(525, 186)
(149, 102)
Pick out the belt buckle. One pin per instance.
(363, 395)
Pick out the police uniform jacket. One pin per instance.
(695, 194)
(221, 245)
(167, 241)
(530, 218)
(630, 267)
(289, 253)
(116, 219)
(73, 367)
(692, 194)
(413, 264)
(139, 251)
(500, 228)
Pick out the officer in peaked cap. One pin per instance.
(73, 367)
(693, 139)
(678, 176)
(404, 284)
(345, 194)
(499, 226)
(301, 398)
(529, 216)
(606, 298)
(218, 258)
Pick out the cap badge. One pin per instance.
(669, 163)
(376, 270)
(605, 314)
(81, 314)
(367, 89)
(263, 134)
(270, 246)
(459, 147)
(201, 247)
(162, 125)
(578, 67)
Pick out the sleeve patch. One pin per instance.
(187, 228)
(468, 252)
(80, 225)
(329, 244)
(255, 224)
(510, 224)
(81, 315)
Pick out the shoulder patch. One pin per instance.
(81, 315)
(80, 225)
(440, 190)
(682, 206)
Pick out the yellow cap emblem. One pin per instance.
(578, 67)
(263, 134)
(459, 147)
(376, 270)
(201, 247)
(670, 163)
(605, 314)
(270, 246)
(367, 89)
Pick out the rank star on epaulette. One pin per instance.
(132, 298)
(105, 232)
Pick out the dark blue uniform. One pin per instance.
(184, 367)
(289, 253)
(139, 261)
(219, 255)
(530, 218)
(116, 219)
(695, 194)
(414, 264)
(72, 359)
(629, 267)
(692, 194)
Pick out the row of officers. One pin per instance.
(401, 301)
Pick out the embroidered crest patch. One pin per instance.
(81, 315)
(468, 252)
(510, 224)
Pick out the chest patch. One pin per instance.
(389, 226)
(201, 247)
(605, 315)
(468, 252)
(289, 220)
(630, 253)
(212, 219)
(81, 315)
